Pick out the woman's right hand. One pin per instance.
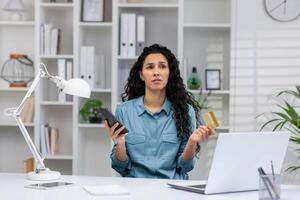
(114, 134)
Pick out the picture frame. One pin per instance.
(212, 79)
(92, 10)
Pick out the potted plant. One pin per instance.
(90, 111)
(288, 118)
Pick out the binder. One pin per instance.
(131, 34)
(90, 60)
(102, 71)
(83, 64)
(61, 69)
(124, 35)
(140, 34)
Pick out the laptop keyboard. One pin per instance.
(202, 186)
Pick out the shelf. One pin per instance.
(57, 5)
(14, 124)
(223, 128)
(127, 58)
(101, 90)
(207, 26)
(86, 125)
(56, 103)
(147, 5)
(95, 24)
(11, 89)
(213, 92)
(66, 56)
(59, 157)
(17, 23)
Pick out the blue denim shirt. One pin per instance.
(153, 148)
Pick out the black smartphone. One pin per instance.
(111, 120)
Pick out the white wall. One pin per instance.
(265, 59)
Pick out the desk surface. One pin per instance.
(12, 187)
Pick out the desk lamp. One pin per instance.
(77, 87)
(15, 6)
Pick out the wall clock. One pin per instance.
(283, 10)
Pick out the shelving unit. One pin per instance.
(190, 28)
(23, 36)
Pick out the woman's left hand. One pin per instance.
(201, 134)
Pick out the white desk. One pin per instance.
(12, 187)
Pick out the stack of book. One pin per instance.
(49, 140)
(49, 40)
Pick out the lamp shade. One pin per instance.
(14, 5)
(77, 87)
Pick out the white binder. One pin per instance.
(124, 35)
(140, 23)
(61, 69)
(83, 64)
(131, 34)
(90, 66)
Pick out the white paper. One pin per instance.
(106, 190)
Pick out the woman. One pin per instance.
(160, 116)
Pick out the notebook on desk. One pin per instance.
(236, 159)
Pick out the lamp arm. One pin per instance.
(16, 114)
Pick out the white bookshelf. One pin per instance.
(181, 25)
(16, 23)
(148, 5)
(59, 157)
(57, 5)
(96, 24)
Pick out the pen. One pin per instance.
(261, 173)
(272, 167)
(270, 182)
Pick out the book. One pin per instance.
(48, 28)
(42, 39)
(54, 135)
(55, 41)
(28, 165)
(27, 113)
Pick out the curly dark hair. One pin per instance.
(176, 91)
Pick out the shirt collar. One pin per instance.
(141, 107)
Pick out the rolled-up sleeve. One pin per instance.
(122, 167)
(185, 166)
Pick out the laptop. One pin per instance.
(236, 159)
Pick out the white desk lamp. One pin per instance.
(77, 87)
(15, 6)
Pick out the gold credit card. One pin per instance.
(210, 119)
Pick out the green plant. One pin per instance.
(90, 111)
(288, 118)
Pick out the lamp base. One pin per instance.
(45, 175)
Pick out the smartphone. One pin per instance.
(111, 120)
(46, 186)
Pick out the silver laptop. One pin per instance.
(236, 159)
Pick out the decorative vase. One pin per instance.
(194, 81)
